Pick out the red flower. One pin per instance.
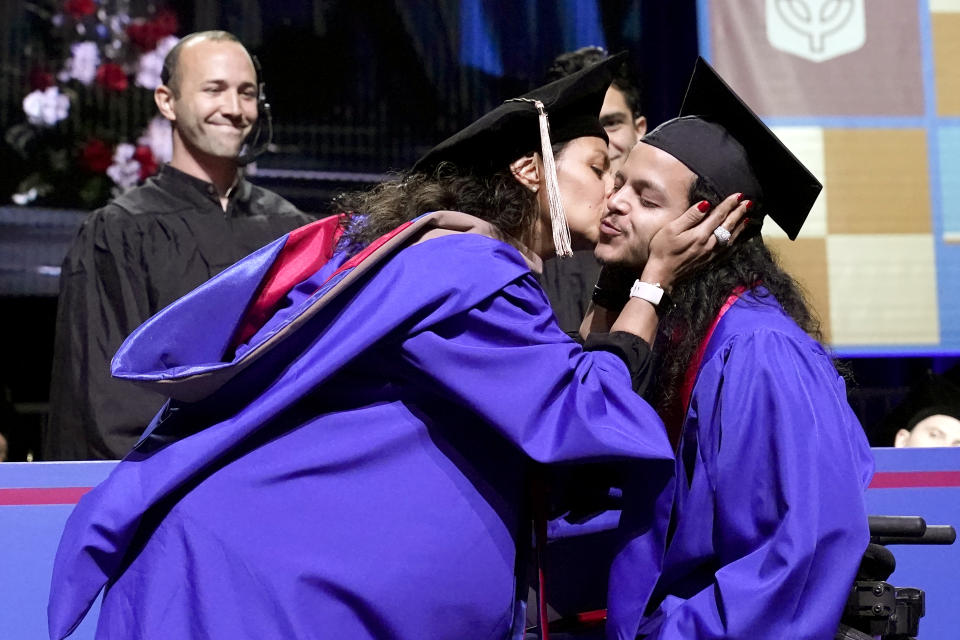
(148, 165)
(96, 156)
(146, 34)
(143, 35)
(111, 76)
(166, 23)
(79, 8)
(39, 79)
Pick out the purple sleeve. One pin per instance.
(789, 463)
(511, 364)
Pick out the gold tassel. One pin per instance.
(558, 220)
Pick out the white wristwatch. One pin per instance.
(652, 293)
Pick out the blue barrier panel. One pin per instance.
(35, 500)
(923, 482)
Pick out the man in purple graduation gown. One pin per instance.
(345, 449)
(768, 523)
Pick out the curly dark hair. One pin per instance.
(494, 196)
(698, 299)
(497, 197)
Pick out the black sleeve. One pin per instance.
(568, 283)
(103, 297)
(633, 350)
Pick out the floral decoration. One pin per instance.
(96, 156)
(46, 108)
(89, 128)
(111, 76)
(79, 8)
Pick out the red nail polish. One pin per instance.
(739, 197)
(703, 206)
(749, 205)
(746, 221)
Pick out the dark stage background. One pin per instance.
(358, 89)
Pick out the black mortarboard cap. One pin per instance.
(719, 138)
(511, 130)
(562, 110)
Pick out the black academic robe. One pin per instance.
(130, 259)
(568, 283)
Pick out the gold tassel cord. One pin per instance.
(558, 219)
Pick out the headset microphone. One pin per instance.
(261, 134)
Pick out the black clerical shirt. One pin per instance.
(568, 283)
(130, 259)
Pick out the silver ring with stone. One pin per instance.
(723, 236)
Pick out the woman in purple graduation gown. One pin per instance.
(352, 418)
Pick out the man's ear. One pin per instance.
(528, 171)
(163, 96)
(640, 124)
(902, 438)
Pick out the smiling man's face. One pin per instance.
(622, 128)
(215, 105)
(651, 189)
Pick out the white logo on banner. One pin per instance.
(817, 30)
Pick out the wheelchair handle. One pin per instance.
(902, 526)
(935, 534)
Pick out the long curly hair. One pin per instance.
(497, 197)
(697, 300)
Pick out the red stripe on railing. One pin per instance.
(38, 497)
(908, 479)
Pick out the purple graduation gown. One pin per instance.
(769, 517)
(356, 469)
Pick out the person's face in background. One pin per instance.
(621, 126)
(215, 105)
(934, 431)
(652, 189)
(584, 179)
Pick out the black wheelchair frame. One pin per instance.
(876, 609)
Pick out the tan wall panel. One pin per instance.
(883, 289)
(806, 260)
(946, 60)
(877, 181)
